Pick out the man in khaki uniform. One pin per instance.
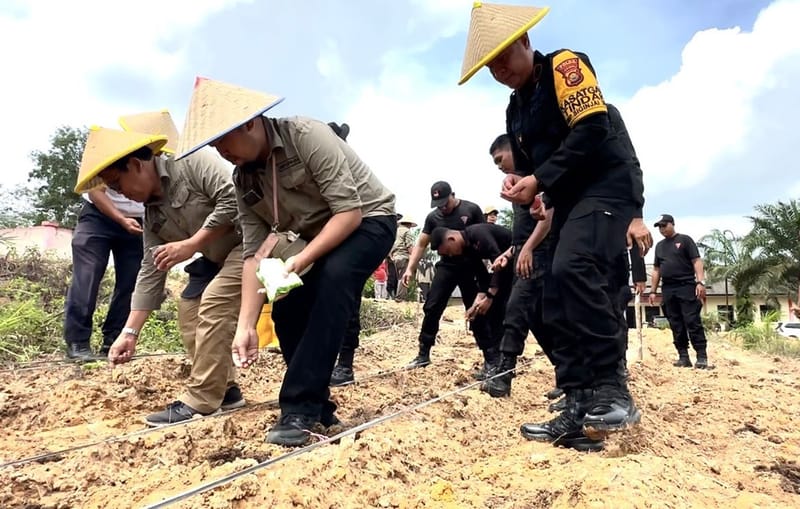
(190, 207)
(401, 250)
(295, 174)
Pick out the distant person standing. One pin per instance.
(379, 280)
(490, 214)
(424, 277)
(401, 251)
(108, 224)
(678, 264)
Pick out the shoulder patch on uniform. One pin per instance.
(576, 88)
(570, 70)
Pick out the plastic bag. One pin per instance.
(277, 283)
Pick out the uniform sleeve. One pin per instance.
(254, 229)
(318, 147)
(428, 227)
(212, 178)
(621, 130)
(149, 292)
(657, 256)
(638, 269)
(490, 248)
(691, 248)
(482, 275)
(581, 103)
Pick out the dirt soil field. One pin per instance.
(726, 437)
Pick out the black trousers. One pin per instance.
(311, 320)
(497, 312)
(524, 310)
(447, 276)
(351, 338)
(580, 300)
(683, 309)
(624, 295)
(96, 237)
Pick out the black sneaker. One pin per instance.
(702, 361)
(420, 361)
(611, 411)
(554, 393)
(104, 351)
(292, 430)
(80, 352)
(683, 360)
(233, 399)
(175, 412)
(565, 430)
(558, 406)
(342, 375)
(500, 386)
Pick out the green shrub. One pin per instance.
(379, 315)
(762, 337)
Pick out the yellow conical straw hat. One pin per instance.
(492, 29)
(217, 108)
(104, 147)
(153, 122)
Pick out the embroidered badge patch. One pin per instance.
(570, 69)
(464, 219)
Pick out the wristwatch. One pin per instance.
(130, 330)
(701, 283)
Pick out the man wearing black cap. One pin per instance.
(451, 271)
(479, 242)
(679, 265)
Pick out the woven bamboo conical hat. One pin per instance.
(105, 146)
(217, 108)
(153, 122)
(492, 29)
(408, 220)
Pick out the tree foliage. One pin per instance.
(53, 178)
(505, 217)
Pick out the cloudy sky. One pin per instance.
(705, 87)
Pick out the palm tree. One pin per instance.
(727, 257)
(776, 238)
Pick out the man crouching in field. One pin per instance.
(190, 207)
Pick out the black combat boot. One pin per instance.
(423, 358)
(612, 410)
(500, 386)
(566, 430)
(702, 360)
(554, 393)
(491, 358)
(683, 360)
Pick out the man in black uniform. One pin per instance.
(478, 243)
(679, 265)
(530, 264)
(563, 142)
(451, 271)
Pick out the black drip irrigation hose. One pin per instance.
(197, 490)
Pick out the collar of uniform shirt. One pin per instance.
(163, 175)
(273, 137)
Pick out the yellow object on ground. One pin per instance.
(267, 338)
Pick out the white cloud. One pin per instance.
(53, 50)
(704, 115)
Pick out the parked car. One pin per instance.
(788, 329)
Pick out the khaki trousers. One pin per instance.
(208, 325)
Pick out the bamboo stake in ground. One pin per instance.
(637, 306)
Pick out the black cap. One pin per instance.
(437, 237)
(664, 219)
(201, 271)
(341, 130)
(440, 192)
